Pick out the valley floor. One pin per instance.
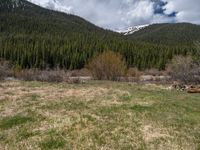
(97, 115)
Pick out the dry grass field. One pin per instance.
(97, 115)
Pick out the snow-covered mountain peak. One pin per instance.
(133, 29)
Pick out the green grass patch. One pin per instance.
(24, 133)
(34, 97)
(125, 97)
(2, 137)
(54, 141)
(9, 122)
(141, 108)
(69, 104)
(52, 144)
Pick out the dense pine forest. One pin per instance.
(34, 37)
(170, 34)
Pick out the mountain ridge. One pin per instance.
(168, 33)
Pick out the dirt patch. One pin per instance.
(147, 103)
(89, 92)
(151, 133)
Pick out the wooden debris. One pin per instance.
(194, 89)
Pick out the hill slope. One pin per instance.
(23, 16)
(180, 33)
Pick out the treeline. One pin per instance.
(74, 52)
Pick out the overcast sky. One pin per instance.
(119, 14)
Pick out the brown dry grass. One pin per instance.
(97, 115)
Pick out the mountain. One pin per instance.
(35, 37)
(179, 33)
(18, 15)
(132, 30)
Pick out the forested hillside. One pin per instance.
(179, 33)
(34, 37)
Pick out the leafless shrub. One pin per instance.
(53, 76)
(49, 76)
(80, 73)
(107, 66)
(134, 72)
(184, 70)
(5, 69)
(74, 80)
(133, 75)
(41, 75)
(154, 72)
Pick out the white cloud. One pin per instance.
(113, 13)
(187, 10)
(159, 18)
(116, 14)
(53, 4)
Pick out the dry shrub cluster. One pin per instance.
(134, 72)
(79, 73)
(46, 76)
(58, 75)
(5, 69)
(132, 75)
(107, 66)
(155, 72)
(184, 70)
(41, 75)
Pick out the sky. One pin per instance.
(120, 14)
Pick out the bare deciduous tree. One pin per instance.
(184, 70)
(4, 68)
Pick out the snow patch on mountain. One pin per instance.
(133, 29)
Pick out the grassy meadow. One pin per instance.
(98, 115)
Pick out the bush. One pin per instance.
(48, 76)
(41, 75)
(155, 72)
(107, 66)
(184, 70)
(79, 73)
(134, 72)
(4, 69)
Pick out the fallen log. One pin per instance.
(193, 90)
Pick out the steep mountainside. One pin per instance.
(180, 33)
(35, 37)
